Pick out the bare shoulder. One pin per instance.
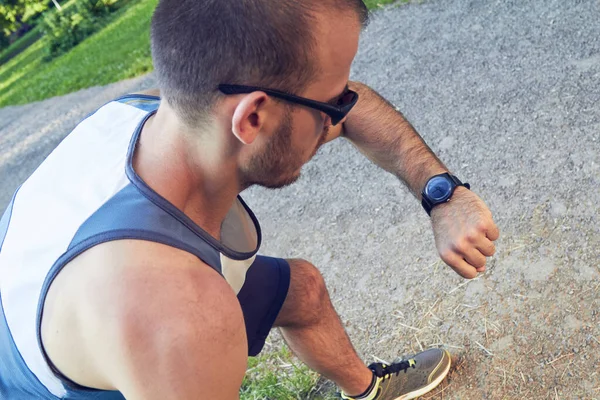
(124, 301)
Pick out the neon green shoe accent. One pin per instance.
(408, 379)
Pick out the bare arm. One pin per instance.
(382, 133)
(158, 324)
(463, 228)
(187, 342)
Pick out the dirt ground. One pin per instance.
(508, 94)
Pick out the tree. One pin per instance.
(13, 13)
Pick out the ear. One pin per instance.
(248, 117)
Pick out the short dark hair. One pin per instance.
(198, 44)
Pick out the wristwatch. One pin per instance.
(439, 189)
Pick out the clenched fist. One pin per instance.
(464, 232)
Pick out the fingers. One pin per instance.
(459, 265)
(492, 232)
(465, 232)
(474, 258)
(479, 245)
(468, 256)
(486, 247)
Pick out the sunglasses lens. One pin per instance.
(346, 98)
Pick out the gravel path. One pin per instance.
(508, 94)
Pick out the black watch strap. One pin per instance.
(459, 183)
(428, 206)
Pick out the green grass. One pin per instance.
(119, 51)
(19, 45)
(279, 375)
(29, 38)
(373, 4)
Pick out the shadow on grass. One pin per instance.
(119, 51)
(20, 45)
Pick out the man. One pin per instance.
(128, 264)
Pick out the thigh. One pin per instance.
(261, 298)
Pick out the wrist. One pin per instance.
(422, 182)
(439, 189)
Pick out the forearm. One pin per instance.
(382, 133)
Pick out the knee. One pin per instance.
(309, 291)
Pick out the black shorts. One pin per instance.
(261, 297)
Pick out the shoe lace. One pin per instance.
(382, 370)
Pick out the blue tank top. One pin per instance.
(85, 193)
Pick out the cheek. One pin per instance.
(307, 133)
(311, 126)
(315, 133)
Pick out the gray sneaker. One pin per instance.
(408, 379)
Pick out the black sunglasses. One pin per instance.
(336, 112)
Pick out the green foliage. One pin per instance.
(13, 13)
(19, 45)
(374, 4)
(279, 376)
(4, 40)
(120, 50)
(65, 29)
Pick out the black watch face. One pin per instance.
(438, 188)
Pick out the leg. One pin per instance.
(292, 295)
(313, 330)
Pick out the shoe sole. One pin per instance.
(430, 387)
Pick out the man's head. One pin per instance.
(303, 48)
